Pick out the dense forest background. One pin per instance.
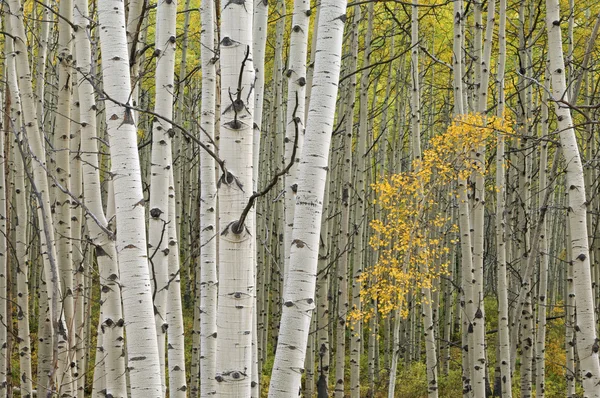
(294, 198)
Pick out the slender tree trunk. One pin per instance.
(208, 206)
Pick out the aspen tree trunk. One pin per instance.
(134, 27)
(79, 316)
(161, 168)
(111, 320)
(260, 19)
(587, 344)
(20, 222)
(322, 290)
(356, 326)
(457, 58)
(503, 314)
(570, 337)
(276, 125)
(42, 55)
(142, 348)
(426, 302)
(312, 171)
(236, 244)
(540, 346)
(296, 74)
(62, 204)
(5, 317)
(176, 351)
(346, 236)
(208, 206)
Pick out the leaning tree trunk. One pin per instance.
(299, 302)
(142, 347)
(587, 344)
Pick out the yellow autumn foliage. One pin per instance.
(415, 233)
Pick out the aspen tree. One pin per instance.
(21, 220)
(208, 207)
(175, 333)
(356, 325)
(111, 319)
(62, 204)
(79, 318)
(346, 235)
(142, 347)
(161, 168)
(503, 321)
(570, 337)
(42, 55)
(40, 186)
(312, 171)
(540, 346)
(5, 316)
(586, 325)
(415, 114)
(296, 75)
(236, 252)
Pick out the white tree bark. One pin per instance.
(40, 186)
(160, 169)
(587, 343)
(21, 221)
(503, 309)
(111, 317)
(142, 348)
(208, 206)
(299, 302)
(236, 252)
(175, 336)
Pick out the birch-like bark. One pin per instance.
(62, 204)
(5, 317)
(296, 75)
(356, 325)
(236, 251)
(20, 223)
(540, 344)
(208, 206)
(175, 335)
(312, 171)
(161, 169)
(426, 302)
(42, 55)
(503, 320)
(142, 347)
(346, 236)
(98, 230)
(587, 343)
(40, 186)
